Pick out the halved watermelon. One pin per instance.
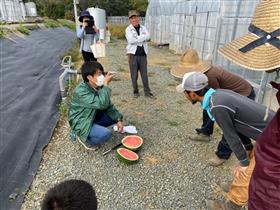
(132, 142)
(127, 156)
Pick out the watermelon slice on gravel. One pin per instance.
(132, 142)
(127, 156)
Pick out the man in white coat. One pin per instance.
(137, 48)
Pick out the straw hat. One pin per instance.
(258, 50)
(189, 62)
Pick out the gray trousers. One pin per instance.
(138, 63)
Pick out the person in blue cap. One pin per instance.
(87, 32)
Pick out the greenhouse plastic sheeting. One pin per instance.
(12, 10)
(30, 95)
(205, 25)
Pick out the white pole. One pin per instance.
(75, 11)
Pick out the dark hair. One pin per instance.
(70, 195)
(200, 92)
(90, 68)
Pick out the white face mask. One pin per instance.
(100, 80)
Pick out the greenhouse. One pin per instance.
(16, 10)
(205, 25)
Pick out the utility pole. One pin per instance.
(75, 11)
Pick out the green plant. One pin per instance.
(64, 105)
(74, 52)
(2, 33)
(70, 87)
(50, 23)
(22, 29)
(67, 23)
(117, 31)
(63, 108)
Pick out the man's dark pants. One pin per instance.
(138, 63)
(223, 149)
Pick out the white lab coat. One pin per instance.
(134, 40)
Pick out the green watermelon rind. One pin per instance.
(135, 149)
(124, 160)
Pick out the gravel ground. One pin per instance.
(172, 172)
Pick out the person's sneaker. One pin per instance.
(200, 137)
(219, 205)
(198, 130)
(136, 95)
(216, 161)
(150, 95)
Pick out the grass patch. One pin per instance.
(74, 52)
(117, 31)
(172, 123)
(50, 23)
(22, 29)
(64, 105)
(67, 23)
(2, 33)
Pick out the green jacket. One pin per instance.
(86, 101)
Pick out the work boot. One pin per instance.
(136, 95)
(200, 137)
(216, 161)
(219, 205)
(150, 95)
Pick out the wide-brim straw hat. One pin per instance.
(265, 27)
(189, 62)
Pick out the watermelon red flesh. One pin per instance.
(132, 141)
(127, 154)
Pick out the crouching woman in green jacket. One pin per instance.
(91, 110)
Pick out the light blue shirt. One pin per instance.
(86, 39)
(205, 104)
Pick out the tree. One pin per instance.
(140, 6)
(64, 8)
(114, 7)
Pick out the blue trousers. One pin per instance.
(99, 132)
(223, 149)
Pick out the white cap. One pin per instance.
(193, 81)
